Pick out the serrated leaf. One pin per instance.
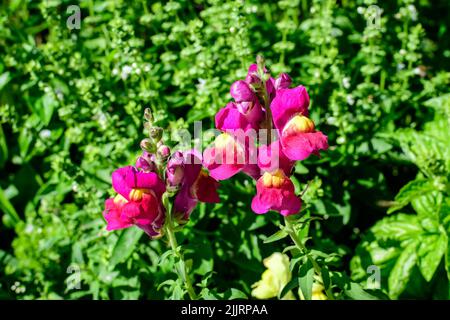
(400, 273)
(276, 236)
(399, 227)
(125, 245)
(430, 252)
(411, 191)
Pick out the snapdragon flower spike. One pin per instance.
(137, 203)
(298, 136)
(196, 186)
(275, 191)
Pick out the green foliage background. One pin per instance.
(71, 104)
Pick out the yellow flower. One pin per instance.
(317, 292)
(274, 278)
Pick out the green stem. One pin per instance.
(169, 228)
(293, 234)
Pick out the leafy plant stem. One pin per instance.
(182, 270)
(291, 232)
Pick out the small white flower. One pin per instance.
(400, 66)
(126, 71)
(360, 10)
(402, 52)
(331, 120)
(350, 99)
(346, 82)
(340, 140)
(44, 134)
(29, 228)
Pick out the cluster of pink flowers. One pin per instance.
(140, 190)
(264, 104)
(261, 104)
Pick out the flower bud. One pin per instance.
(241, 91)
(146, 162)
(164, 151)
(260, 60)
(155, 133)
(148, 115)
(253, 79)
(175, 169)
(283, 81)
(147, 145)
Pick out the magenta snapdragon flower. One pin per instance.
(275, 191)
(195, 183)
(137, 202)
(298, 136)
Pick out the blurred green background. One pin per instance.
(71, 104)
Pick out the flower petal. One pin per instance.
(288, 102)
(301, 145)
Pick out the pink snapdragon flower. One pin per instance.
(195, 185)
(137, 203)
(298, 136)
(230, 154)
(275, 191)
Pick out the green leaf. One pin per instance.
(410, 191)
(276, 236)
(125, 245)
(428, 205)
(325, 277)
(430, 252)
(356, 292)
(294, 283)
(233, 293)
(4, 79)
(306, 278)
(11, 217)
(399, 276)
(3, 148)
(44, 108)
(398, 227)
